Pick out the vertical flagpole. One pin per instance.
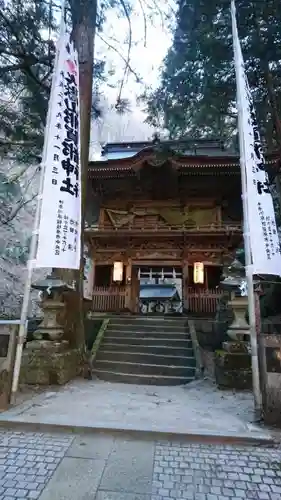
(33, 244)
(247, 243)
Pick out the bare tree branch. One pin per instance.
(127, 14)
(24, 144)
(144, 22)
(16, 176)
(17, 208)
(131, 69)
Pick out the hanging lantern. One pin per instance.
(118, 272)
(198, 273)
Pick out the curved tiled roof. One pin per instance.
(220, 161)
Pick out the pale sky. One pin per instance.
(145, 60)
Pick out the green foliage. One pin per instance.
(196, 95)
(27, 51)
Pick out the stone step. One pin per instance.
(128, 378)
(149, 341)
(144, 358)
(145, 369)
(148, 319)
(144, 334)
(147, 327)
(157, 349)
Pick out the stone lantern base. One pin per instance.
(233, 366)
(49, 363)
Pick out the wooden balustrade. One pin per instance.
(203, 301)
(111, 299)
(158, 227)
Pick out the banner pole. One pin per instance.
(27, 290)
(33, 244)
(247, 243)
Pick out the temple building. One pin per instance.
(162, 219)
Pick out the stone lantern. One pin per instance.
(49, 360)
(52, 304)
(235, 283)
(233, 362)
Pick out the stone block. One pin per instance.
(233, 360)
(235, 347)
(48, 367)
(233, 379)
(233, 370)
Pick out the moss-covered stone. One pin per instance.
(232, 361)
(233, 379)
(46, 367)
(233, 368)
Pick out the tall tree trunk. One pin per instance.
(84, 22)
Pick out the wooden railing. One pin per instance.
(109, 299)
(203, 301)
(160, 228)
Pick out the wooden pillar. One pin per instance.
(206, 277)
(185, 285)
(128, 276)
(135, 289)
(94, 274)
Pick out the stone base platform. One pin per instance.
(196, 411)
(233, 370)
(49, 365)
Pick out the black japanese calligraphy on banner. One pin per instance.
(60, 224)
(70, 163)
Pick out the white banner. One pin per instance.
(60, 224)
(88, 283)
(264, 240)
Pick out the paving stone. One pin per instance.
(130, 467)
(21, 493)
(34, 495)
(74, 478)
(110, 469)
(220, 472)
(111, 495)
(18, 474)
(96, 447)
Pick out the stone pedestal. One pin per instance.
(233, 367)
(49, 363)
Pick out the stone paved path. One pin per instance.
(119, 467)
(204, 472)
(27, 461)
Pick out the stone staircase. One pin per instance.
(146, 350)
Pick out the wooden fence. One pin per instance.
(111, 299)
(203, 301)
